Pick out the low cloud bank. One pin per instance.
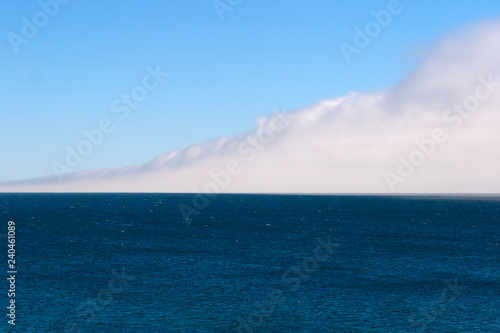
(435, 132)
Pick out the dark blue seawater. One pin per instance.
(253, 263)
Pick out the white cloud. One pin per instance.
(347, 144)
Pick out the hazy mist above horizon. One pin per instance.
(251, 98)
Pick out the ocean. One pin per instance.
(251, 263)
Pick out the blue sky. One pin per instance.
(264, 55)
